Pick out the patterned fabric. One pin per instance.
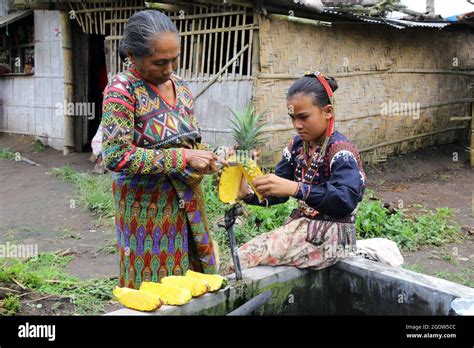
(160, 216)
(287, 245)
(331, 186)
(334, 188)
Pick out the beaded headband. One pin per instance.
(320, 76)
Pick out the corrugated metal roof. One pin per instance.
(439, 25)
(12, 17)
(396, 23)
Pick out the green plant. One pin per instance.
(94, 191)
(464, 277)
(246, 128)
(45, 274)
(11, 304)
(415, 267)
(68, 233)
(426, 228)
(450, 258)
(38, 146)
(7, 154)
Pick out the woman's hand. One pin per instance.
(205, 162)
(273, 185)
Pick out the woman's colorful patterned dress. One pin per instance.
(332, 185)
(160, 216)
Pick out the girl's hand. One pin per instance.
(244, 188)
(273, 185)
(203, 161)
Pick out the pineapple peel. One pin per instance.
(229, 184)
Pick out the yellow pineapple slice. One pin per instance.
(215, 281)
(229, 184)
(170, 295)
(136, 299)
(197, 287)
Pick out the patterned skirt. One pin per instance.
(287, 245)
(152, 230)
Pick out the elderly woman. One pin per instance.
(151, 141)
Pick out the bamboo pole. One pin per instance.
(460, 118)
(208, 67)
(299, 20)
(180, 29)
(191, 53)
(210, 15)
(185, 58)
(221, 55)
(214, 64)
(242, 43)
(423, 135)
(102, 14)
(249, 56)
(221, 71)
(95, 18)
(68, 145)
(371, 72)
(236, 34)
(198, 48)
(204, 50)
(254, 69)
(472, 135)
(227, 56)
(372, 114)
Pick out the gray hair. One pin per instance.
(141, 28)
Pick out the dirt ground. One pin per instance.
(35, 206)
(36, 209)
(436, 177)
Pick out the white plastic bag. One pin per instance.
(97, 142)
(381, 250)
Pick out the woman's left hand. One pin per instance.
(273, 185)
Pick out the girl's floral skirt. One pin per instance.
(288, 245)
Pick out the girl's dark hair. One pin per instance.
(311, 85)
(141, 28)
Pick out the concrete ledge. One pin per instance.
(354, 286)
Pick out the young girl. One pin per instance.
(323, 171)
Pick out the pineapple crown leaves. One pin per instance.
(247, 128)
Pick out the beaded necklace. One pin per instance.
(309, 172)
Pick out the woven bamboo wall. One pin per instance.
(287, 50)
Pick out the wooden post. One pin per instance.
(472, 134)
(66, 46)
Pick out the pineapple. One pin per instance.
(247, 131)
(215, 281)
(136, 299)
(229, 184)
(197, 287)
(169, 295)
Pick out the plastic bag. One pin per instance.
(97, 142)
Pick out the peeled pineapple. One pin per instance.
(135, 299)
(229, 183)
(215, 281)
(252, 171)
(170, 295)
(197, 287)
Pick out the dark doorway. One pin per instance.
(97, 83)
(90, 79)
